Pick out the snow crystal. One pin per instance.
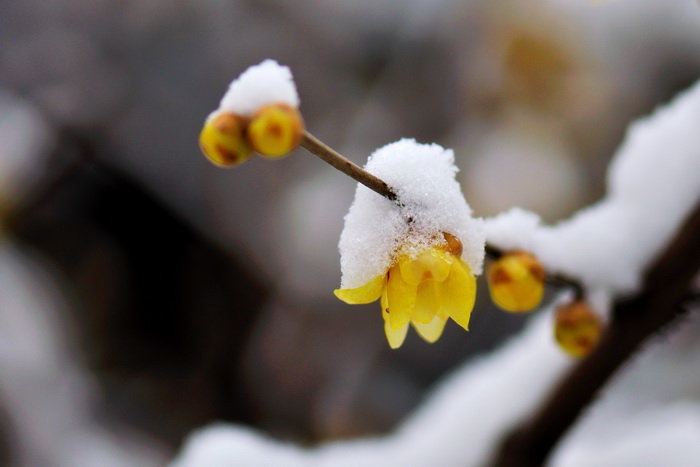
(653, 184)
(260, 85)
(423, 177)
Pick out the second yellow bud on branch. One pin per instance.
(516, 282)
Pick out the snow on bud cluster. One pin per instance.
(419, 255)
(259, 112)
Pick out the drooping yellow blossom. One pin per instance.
(516, 282)
(577, 329)
(223, 141)
(422, 290)
(275, 130)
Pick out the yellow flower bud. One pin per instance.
(577, 329)
(222, 140)
(516, 282)
(275, 130)
(454, 244)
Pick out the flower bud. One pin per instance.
(275, 130)
(516, 282)
(454, 245)
(577, 329)
(222, 140)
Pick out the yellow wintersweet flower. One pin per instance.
(577, 329)
(423, 290)
(516, 282)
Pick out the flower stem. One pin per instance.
(324, 152)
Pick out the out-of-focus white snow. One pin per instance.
(653, 183)
(651, 413)
(48, 400)
(658, 436)
(641, 417)
(265, 83)
(25, 138)
(458, 425)
(423, 177)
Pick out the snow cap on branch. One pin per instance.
(653, 183)
(260, 85)
(423, 178)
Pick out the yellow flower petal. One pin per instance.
(401, 299)
(434, 263)
(364, 294)
(384, 302)
(395, 337)
(458, 293)
(431, 331)
(427, 302)
(439, 263)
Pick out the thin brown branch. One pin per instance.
(324, 152)
(635, 319)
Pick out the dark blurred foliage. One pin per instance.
(164, 312)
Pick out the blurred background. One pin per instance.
(145, 293)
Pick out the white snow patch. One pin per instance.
(649, 415)
(423, 177)
(260, 85)
(653, 184)
(49, 401)
(459, 425)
